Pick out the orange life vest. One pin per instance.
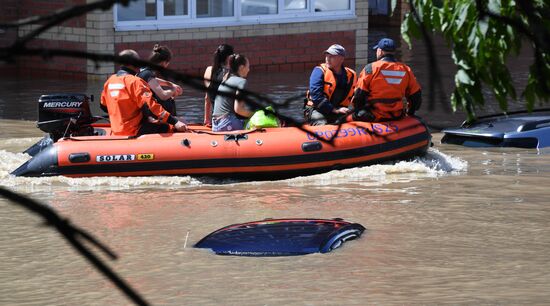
(330, 86)
(124, 95)
(386, 83)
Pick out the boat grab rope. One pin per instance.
(101, 139)
(227, 133)
(239, 133)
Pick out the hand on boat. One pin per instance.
(207, 120)
(180, 126)
(178, 90)
(341, 110)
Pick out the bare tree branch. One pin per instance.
(60, 17)
(72, 234)
(66, 14)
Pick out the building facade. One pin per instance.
(276, 35)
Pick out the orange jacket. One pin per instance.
(330, 86)
(382, 86)
(124, 95)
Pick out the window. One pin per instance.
(174, 14)
(175, 7)
(214, 8)
(138, 10)
(379, 7)
(331, 5)
(295, 4)
(259, 7)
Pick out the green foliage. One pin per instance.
(483, 35)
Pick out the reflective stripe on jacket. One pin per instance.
(384, 84)
(124, 95)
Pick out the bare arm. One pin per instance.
(207, 76)
(241, 109)
(161, 93)
(163, 82)
(207, 111)
(207, 102)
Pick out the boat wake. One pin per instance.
(11, 161)
(432, 164)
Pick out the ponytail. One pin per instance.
(236, 61)
(220, 56)
(160, 54)
(218, 61)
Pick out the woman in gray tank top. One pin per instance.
(230, 113)
(213, 76)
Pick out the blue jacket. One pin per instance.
(316, 92)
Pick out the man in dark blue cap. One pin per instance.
(383, 84)
(331, 87)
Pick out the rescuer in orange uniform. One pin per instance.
(382, 85)
(331, 87)
(124, 96)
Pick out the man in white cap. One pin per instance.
(331, 87)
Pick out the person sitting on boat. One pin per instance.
(229, 113)
(331, 87)
(383, 84)
(164, 91)
(216, 72)
(123, 97)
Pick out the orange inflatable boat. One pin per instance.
(258, 154)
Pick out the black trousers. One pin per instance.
(153, 128)
(168, 105)
(315, 117)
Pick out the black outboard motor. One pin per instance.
(63, 115)
(59, 115)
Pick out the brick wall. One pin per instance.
(28, 8)
(271, 47)
(277, 53)
(57, 67)
(70, 35)
(7, 36)
(259, 40)
(64, 38)
(9, 11)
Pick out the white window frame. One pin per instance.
(283, 11)
(160, 8)
(210, 1)
(191, 21)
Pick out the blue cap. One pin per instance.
(386, 44)
(336, 50)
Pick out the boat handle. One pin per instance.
(82, 157)
(311, 146)
(235, 137)
(186, 142)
